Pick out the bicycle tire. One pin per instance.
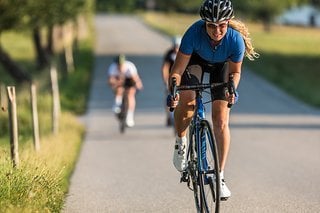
(193, 168)
(123, 113)
(209, 179)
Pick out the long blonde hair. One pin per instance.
(241, 27)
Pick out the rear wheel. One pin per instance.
(209, 179)
(123, 113)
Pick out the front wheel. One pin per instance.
(193, 176)
(123, 113)
(209, 178)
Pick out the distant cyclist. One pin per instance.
(168, 61)
(123, 74)
(216, 44)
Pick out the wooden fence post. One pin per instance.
(13, 125)
(35, 120)
(3, 98)
(56, 99)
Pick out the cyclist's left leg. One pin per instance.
(220, 120)
(131, 91)
(118, 93)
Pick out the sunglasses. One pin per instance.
(215, 25)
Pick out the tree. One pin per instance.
(10, 13)
(315, 3)
(46, 14)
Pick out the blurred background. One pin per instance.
(285, 33)
(36, 35)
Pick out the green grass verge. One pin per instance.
(289, 56)
(41, 181)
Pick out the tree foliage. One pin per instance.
(34, 15)
(10, 13)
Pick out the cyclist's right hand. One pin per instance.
(172, 102)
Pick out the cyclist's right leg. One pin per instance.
(182, 116)
(185, 109)
(118, 93)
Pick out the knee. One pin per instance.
(220, 124)
(131, 91)
(185, 109)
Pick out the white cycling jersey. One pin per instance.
(129, 70)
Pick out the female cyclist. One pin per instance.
(216, 44)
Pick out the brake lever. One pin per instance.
(231, 88)
(173, 90)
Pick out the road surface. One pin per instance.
(274, 162)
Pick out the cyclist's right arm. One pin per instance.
(113, 80)
(178, 68)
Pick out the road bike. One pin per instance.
(128, 83)
(203, 173)
(122, 115)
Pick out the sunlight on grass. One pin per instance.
(169, 23)
(18, 45)
(41, 181)
(286, 40)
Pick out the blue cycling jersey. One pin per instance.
(196, 40)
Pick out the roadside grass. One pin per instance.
(289, 56)
(41, 181)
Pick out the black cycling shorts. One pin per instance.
(129, 82)
(218, 73)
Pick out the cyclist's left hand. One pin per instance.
(232, 99)
(139, 85)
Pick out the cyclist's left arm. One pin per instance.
(132, 72)
(235, 70)
(137, 81)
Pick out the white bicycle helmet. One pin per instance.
(216, 10)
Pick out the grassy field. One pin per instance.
(41, 181)
(289, 56)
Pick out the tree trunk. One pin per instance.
(42, 57)
(50, 41)
(12, 68)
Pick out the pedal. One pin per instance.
(184, 177)
(224, 198)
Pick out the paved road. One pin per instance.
(274, 163)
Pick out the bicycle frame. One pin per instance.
(198, 167)
(198, 116)
(203, 167)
